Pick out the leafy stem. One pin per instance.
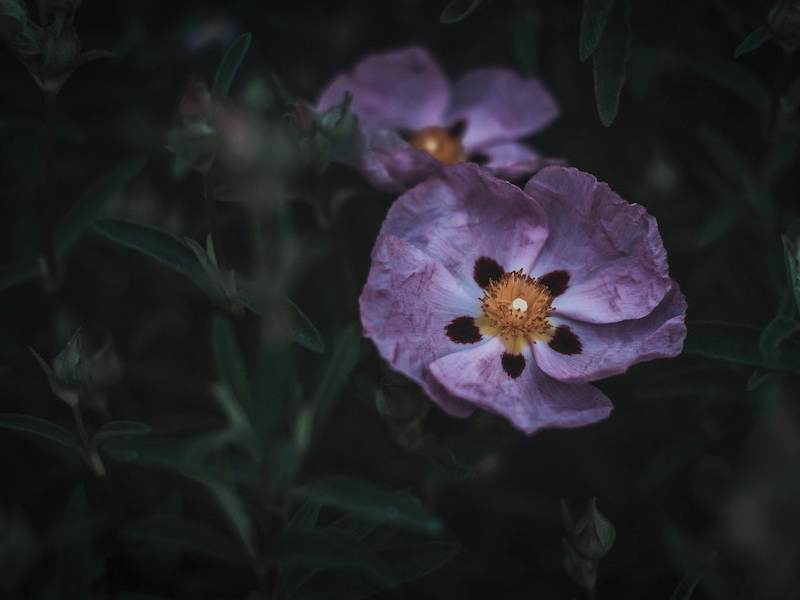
(92, 457)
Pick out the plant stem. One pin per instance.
(51, 260)
(211, 216)
(95, 463)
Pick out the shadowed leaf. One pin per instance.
(341, 361)
(458, 10)
(229, 362)
(610, 62)
(754, 40)
(593, 21)
(43, 429)
(229, 65)
(117, 429)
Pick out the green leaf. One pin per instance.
(45, 429)
(165, 247)
(732, 76)
(11, 275)
(791, 97)
(231, 504)
(229, 65)
(303, 330)
(458, 10)
(593, 22)
(610, 61)
(73, 573)
(774, 334)
(229, 362)
(754, 40)
(686, 585)
(183, 534)
(335, 373)
(372, 502)
(737, 344)
(117, 429)
(305, 517)
(88, 206)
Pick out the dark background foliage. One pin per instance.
(320, 474)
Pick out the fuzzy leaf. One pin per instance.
(89, 205)
(754, 40)
(593, 22)
(190, 536)
(43, 429)
(372, 502)
(229, 362)
(610, 61)
(458, 10)
(229, 65)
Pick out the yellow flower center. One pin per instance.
(440, 144)
(517, 308)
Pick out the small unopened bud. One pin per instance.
(594, 534)
(784, 21)
(61, 51)
(72, 366)
(339, 124)
(193, 138)
(580, 569)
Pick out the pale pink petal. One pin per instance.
(611, 249)
(499, 105)
(462, 214)
(403, 89)
(512, 161)
(610, 348)
(407, 303)
(532, 401)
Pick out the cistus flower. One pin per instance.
(512, 300)
(412, 119)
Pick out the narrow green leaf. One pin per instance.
(774, 334)
(42, 428)
(165, 247)
(737, 344)
(73, 574)
(686, 585)
(231, 504)
(372, 502)
(183, 534)
(229, 65)
(610, 61)
(118, 429)
(457, 10)
(229, 362)
(305, 517)
(754, 40)
(732, 76)
(88, 206)
(593, 22)
(303, 330)
(11, 275)
(335, 373)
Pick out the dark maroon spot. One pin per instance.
(457, 128)
(485, 270)
(462, 330)
(565, 341)
(513, 364)
(478, 158)
(556, 281)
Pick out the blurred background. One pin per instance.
(200, 439)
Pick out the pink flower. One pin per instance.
(412, 119)
(512, 301)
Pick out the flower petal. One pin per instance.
(401, 89)
(513, 161)
(462, 214)
(611, 249)
(390, 163)
(499, 105)
(531, 401)
(406, 305)
(610, 348)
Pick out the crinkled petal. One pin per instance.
(611, 249)
(532, 401)
(403, 89)
(498, 105)
(390, 163)
(610, 348)
(407, 303)
(512, 161)
(462, 214)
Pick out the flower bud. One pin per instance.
(784, 21)
(594, 534)
(580, 569)
(72, 366)
(61, 51)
